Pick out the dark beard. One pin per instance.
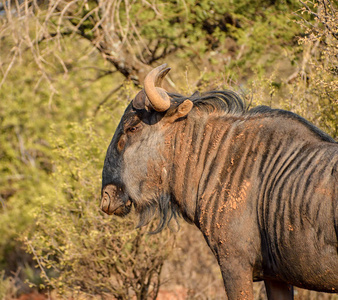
(163, 208)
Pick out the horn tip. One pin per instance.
(164, 67)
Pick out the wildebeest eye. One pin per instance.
(133, 129)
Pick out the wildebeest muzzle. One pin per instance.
(115, 201)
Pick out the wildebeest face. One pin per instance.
(129, 168)
(114, 199)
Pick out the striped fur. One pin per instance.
(260, 184)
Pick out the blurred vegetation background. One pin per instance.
(67, 71)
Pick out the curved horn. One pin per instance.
(157, 96)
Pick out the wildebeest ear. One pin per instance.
(139, 100)
(182, 110)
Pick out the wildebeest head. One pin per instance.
(135, 170)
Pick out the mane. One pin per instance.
(221, 101)
(266, 111)
(229, 102)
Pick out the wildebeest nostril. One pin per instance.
(106, 196)
(105, 202)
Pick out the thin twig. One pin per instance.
(16, 51)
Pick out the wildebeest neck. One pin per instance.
(196, 144)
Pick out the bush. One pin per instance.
(78, 248)
(7, 287)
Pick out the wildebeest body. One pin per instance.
(261, 185)
(261, 177)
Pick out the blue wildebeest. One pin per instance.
(260, 184)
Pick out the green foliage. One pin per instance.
(28, 113)
(202, 27)
(320, 63)
(7, 287)
(131, 35)
(311, 90)
(25, 163)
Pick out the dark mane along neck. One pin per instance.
(215, 101)
(229, 102)
(265, 111)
